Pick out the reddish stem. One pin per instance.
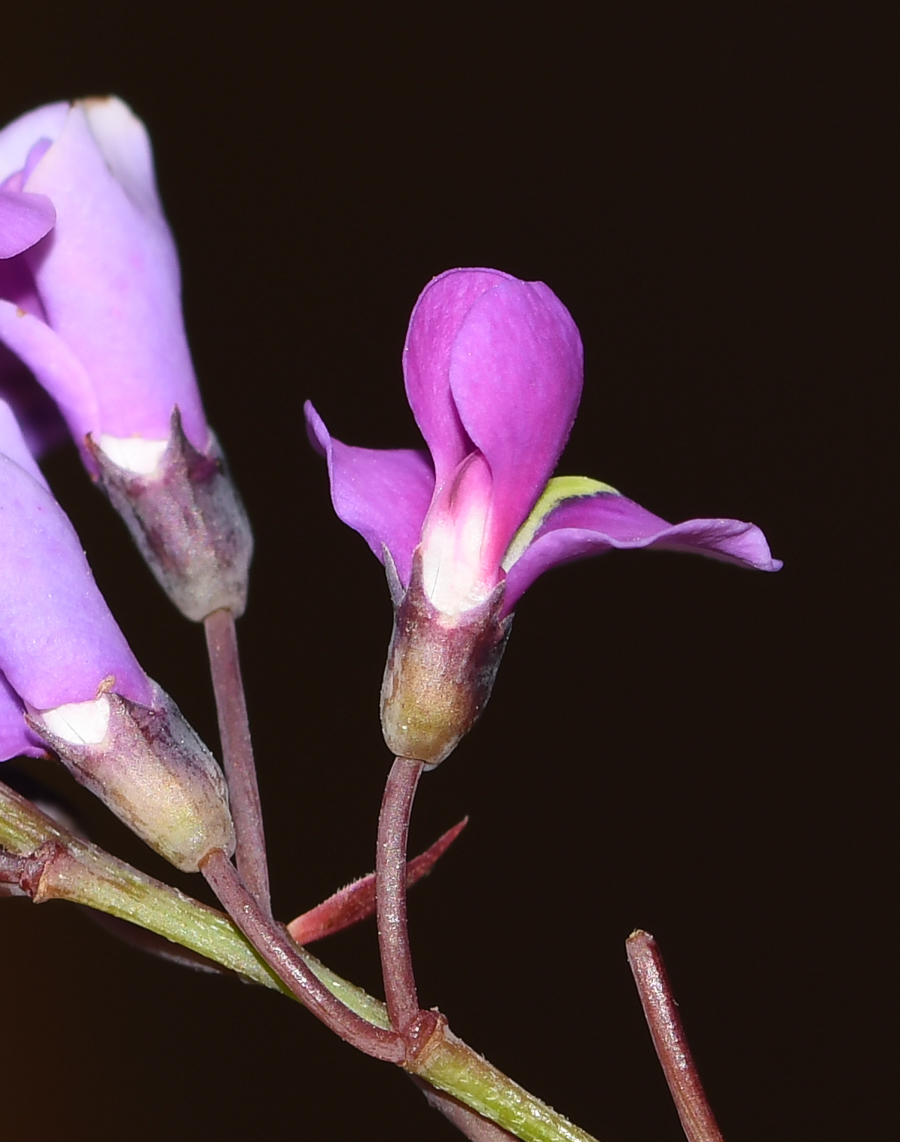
(23, 875)
(237, 754)
(390, 893)
(649, 971)
(12, 869)
(279, 952)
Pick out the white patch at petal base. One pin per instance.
(455, 577)
(134, 453)
(81, 723)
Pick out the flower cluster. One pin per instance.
(92, 343)
(92, 334)
(493, 370)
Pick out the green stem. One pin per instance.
(88, 875)
(454, 1067)
(75, 870)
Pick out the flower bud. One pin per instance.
(186, 517)
(440, 669)
(149, 766)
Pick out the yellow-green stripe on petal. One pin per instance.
(558, 490)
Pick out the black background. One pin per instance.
(672, 743)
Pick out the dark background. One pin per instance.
(672, 743)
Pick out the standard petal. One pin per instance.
(108, 276)
(591, 525)
(439, 314)
(58, 640)
(384, 495)
(516, 375)
(24, 219)
(17, 139)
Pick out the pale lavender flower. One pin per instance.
(93, 310)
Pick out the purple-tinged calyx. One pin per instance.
(188, 522)
(493, 370)
(94, 312)
(440, 670)
(149, 766)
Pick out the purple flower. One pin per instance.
(94, 309)
(59, 643)
(493, 370)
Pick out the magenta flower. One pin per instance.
(493, 370)
(94, 310)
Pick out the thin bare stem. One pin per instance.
(390, 892)
(237, 751)
(649, 971)
(276, 948)
(466, 1121)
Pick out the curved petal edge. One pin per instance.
(595, 524)
(383, 495)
